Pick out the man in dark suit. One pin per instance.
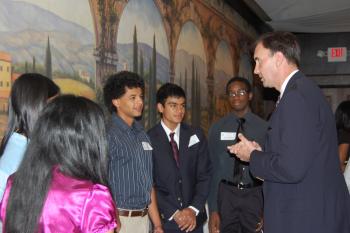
(304, 190)
(181, 165)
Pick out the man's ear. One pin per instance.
(160, 107)
(279, 58)
(250, 96)
(116, 103)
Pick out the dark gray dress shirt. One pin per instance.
(130, 166)
(222, 134)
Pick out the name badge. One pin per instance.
(225, 136)
(146, 146)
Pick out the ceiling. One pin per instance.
(307, 16)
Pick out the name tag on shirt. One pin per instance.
(225, 136)
(146, 146)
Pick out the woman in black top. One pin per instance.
(342, 117)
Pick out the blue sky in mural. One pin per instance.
(144, 14)
(79, 14)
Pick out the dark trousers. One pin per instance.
(240, 210)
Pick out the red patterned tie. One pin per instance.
(174, 148)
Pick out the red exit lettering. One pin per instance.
(337, 52)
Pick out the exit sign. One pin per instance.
(337, 54)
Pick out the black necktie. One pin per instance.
(237, 171)
(174, 148)
(240, 122)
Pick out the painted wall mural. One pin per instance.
(190, 43)
(191, 73)
(223, 73)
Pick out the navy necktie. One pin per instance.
(174, 148)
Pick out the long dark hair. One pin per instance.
(70, 133)
(28, 97)
(342, 116)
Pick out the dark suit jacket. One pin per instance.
(188, 185)
(304, 189)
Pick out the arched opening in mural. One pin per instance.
(142, 47)
(245, 66)
(51, 38)
(191, 74)
(222, 73)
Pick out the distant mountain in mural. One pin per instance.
(24, 31)
(16, 16)
(125, 56)
(33, 43)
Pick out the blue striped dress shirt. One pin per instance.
(130, 165)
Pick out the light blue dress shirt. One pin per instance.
(11, 158)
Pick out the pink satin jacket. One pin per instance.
(72, 205)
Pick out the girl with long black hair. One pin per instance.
(61, 185)
(29, 94)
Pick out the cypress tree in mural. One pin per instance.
(142, 73)
(26, 67)
(193, 95)
(180, 80)
(48, 63)
(135, 60)
(198, 98)
(185, 87)
(150, 74)
(33, 64)
(153, 87)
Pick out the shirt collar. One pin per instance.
(246, 116)
(124, 126)
(168, 131)
(284, 84)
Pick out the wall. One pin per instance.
(332, 77)
(196, 44)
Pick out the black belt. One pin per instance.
(239, 185)
(132, 213)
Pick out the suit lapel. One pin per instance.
(290, 86)
(163, 141)
(292, 82)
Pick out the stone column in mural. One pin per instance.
(105, 51)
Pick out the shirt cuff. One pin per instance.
(172, 216)
(194, 209)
